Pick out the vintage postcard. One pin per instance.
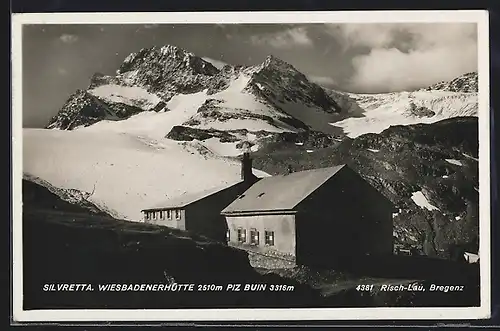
(251, 166)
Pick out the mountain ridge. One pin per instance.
(165, 107)
(272, 96)
(273, 88)
(465, 83)
(438, 161)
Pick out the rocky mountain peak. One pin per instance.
(281, 83)
(166, 70)
(272, 60)
(99, 79)
(174, 49)
(277, 65)
(466, 83)
(169, 56)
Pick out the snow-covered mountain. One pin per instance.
(248, 103)
(167, 70)
(466, 83)
(170, 87)
(429, 171)
(125, 172)
(168, 120)
(373, 113)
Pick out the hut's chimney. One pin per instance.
(246, 163)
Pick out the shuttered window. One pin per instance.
(242, 235)
(269, 238)
(254, 237)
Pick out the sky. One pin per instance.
(363, 58)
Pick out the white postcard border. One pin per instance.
(382, 313)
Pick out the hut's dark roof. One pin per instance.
(282, 192)
(186, 199)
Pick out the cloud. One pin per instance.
(385, 70)
(146, 27)
(68, 38)
(368, 35)
(62, 71)
(322, 80)
(216, 63)
(407, 56)
(297, 36)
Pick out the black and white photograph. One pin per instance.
(251, 166)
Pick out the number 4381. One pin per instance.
(364, 288)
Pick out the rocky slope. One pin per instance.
(262, 97)
(270, 97)
(38, 193)
(67, 243)
(117, 167)
(165, 106)
(430, 171)
(373, 113)
(466, 83)
(166, 70)
(87, 107)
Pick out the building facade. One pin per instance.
(312, 216)
(307, 217)
(199, 212)
(173, 218)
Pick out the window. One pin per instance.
(177, 214)
(228, 235)
(242, 235)
(161, 213)
(154, 215)
(269, 238)
(254, 237)
(169, 214)
(146, 215)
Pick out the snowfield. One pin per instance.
(470, 157)
(183, 107)
(152, 124)
(235, 100)
(129, 95)
(455, 162)
(235, 97)
(316, 118)
(133, 165)
(421, 201)
(380, 111)
(240, 124)
(129, 173)
(217, 147)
